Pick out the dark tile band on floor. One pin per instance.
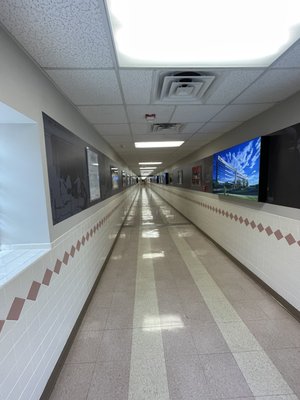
(174, 318)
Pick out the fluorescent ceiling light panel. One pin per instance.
(149, 145)
(148, 168)
(215, 33)
(150, 163)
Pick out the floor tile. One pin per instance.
(148, 380)
(73, 382)
(110, 381)
(208, 338)
(224, 377)
(287, 362)
(249, 310)
(186, 379)
(115, 345)
(178, 341)
(238, 337)
(271, 336)
(94, 319)
(261, 375)
(85, 347)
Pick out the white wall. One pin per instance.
(24, 87)
(23, 202)
(40, 305)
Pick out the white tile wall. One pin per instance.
(31, 346)
(274, 261)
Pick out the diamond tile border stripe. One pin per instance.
(18, 303)
(289, 238)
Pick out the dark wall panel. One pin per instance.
(68, 171)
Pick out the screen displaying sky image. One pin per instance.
(245, 158)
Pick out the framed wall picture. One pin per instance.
(196, 175)
(180, 177)
(93, 174)
(114, 171)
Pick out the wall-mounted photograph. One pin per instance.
(180, 177)
(114, 171)
(236, 170)
(197, 175)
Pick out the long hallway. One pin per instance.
(174, 318)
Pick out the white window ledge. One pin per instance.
(12, 262)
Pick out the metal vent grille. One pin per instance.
(177, 87)
(165, 128)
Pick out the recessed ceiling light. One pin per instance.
(148, 168)
(150, 163)
(141, 145)
(198, 33)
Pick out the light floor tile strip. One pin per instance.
(148, 376)
(260, 373)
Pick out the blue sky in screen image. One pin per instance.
(245, 158)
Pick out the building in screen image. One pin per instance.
(236, 170)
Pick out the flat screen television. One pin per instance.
(236, 170)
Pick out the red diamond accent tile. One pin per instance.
(47, 277)
(66, 258)
(236, 217)
(78, 245)
(57, 266)
(15, 309)
(227, 214)
(298, 242)
(91, 232)
(290, 239)
(1, 324)
(87, 236)
(83, 240)
(241, 220)
(260, 227)
(253, 224)
(231, 215)
(220, 211)
(72, 252)
(246, 221)
(34, 290)
(223, 212)
(278, 234)
(95, 229)
(269, 230)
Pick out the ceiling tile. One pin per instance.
(85, 87)
(137, 85)
(289, 59)
(119, 139)
(275, 85)
(56, 33)
(218, 127)
(137, 113)
(140, 129)
(230, 84)
(104, 114)
(112, 129)
(241, 112)
(199, 113)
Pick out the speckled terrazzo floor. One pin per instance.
(174, 318)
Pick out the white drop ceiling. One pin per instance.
(71, 41)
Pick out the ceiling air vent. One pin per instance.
(165, 128)
(185, 87)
